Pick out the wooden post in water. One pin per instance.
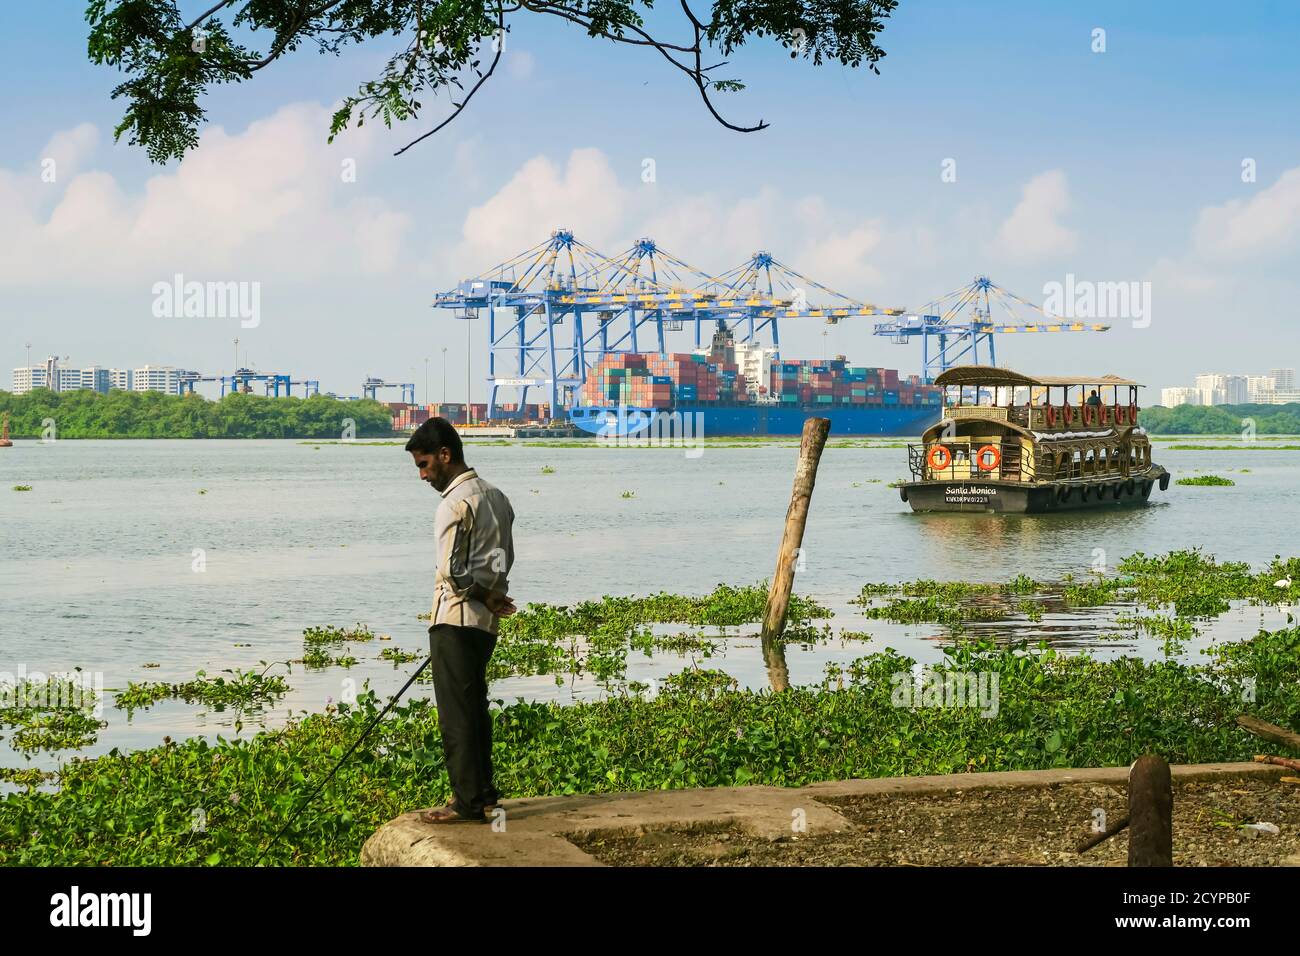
(1151, 813)
(815, 431)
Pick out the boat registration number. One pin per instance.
(969, 494)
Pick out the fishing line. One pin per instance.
(330, 776)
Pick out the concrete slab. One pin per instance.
(530, 831)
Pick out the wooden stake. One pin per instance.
(1151, 813)
(1270, 732)
(815, 431)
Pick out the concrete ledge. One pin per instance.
(530, 831)
(1031, 778)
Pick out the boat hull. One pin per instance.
(1014, 497)
(735, 420)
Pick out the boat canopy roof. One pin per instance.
(990, 375)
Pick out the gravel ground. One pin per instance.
(1014, 827)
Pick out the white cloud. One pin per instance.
(1266, 223)
(1032, 232)
(270, 201)
(710, 233)
(846, 254)
(69, 149)
(584, 196)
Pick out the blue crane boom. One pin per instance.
(961, 321)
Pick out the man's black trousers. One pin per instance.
(460, 660)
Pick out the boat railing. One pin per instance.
(1112, 456)
(971, 461)
(1090, 461)
(1038, 417)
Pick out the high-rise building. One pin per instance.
(1171, 397)
(1219, 389)
(1282, 377)
(119, 379)
(1259, 389)
(27, 378)
(157, 378)
(49, 375)
(96, 378)
(1209, 389)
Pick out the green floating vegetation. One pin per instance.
(1210, 480)
(399, 656)
(1048, 710)
(317, 640)
(22, 487)
(54, 714)
(1194, 584)
(948, 602)
(1241, 446)
(28, 777)
(329, 634)
(595, 637)
(368, 443)
(316, 657)
(243, 689)
(66, 729)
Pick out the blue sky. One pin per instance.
(1122, 166)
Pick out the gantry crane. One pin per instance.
(962, 320)
(372, 385)
(532, 294)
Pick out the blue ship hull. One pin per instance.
(726, 420)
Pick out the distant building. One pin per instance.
(1171, 397)
(1259, 389)
(1283, 378)
(157, 378)
(96, 378)
(28, 378)
(1217, 389)
(119, 379)
(50, 375)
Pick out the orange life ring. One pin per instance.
(1132, 414)
(1120, 414)
(1089, 414)
(1067, 413)
(1051, 416)
(942, 452)
(997, 458)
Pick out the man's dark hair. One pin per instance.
(434, 434)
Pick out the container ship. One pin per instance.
(749, 390)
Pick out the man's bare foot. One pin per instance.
(446, 815)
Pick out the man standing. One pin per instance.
(472, 530)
